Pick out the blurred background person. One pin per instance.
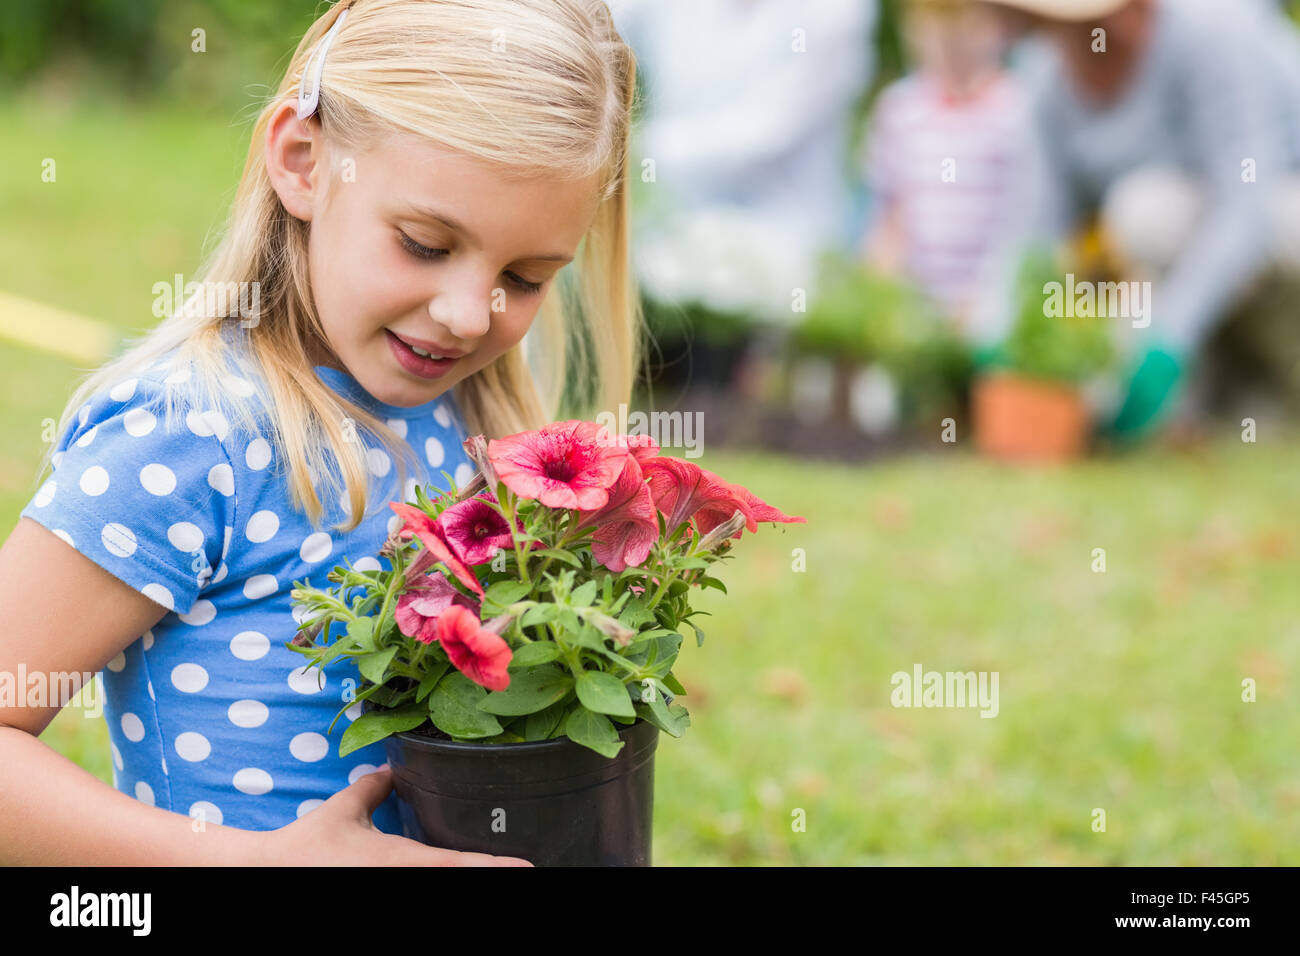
(1172, 124)
(945, 155)
(744, 159)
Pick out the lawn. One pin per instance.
(1120, 690)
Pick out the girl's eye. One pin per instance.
(524, 285)
(415, 249)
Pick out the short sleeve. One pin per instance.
(152, 505)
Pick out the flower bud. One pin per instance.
(611, 627)
(476, 448)
(723, 531)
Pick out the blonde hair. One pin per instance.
(556, 97)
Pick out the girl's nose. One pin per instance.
(466, 314)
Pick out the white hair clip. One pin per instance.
(309, 88)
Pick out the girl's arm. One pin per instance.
(63, 613)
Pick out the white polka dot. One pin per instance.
(45, 494)
(185, 536)
(300, 613)
(117, 756)
(222, 478)
(394, 523)
(434, 451)
(147, 640)
(258, 454)
(259, 586)
(307, 681)
(207, 423)
(378, 462)
(201, 613)
(360, 770)
(94, 480)
(408, 489)
(248, 713)
(307, 806)
(238, 386)
(353, 712)
(157, 592)
(157, 479)
(149, 687)
(206, 812)
(250, 645)
(189, 678)
(309, 747)
(132, 728)
(464, 474)
(65, 536)
(368, 563)
(220, 575)
(193, 746)
(164, 765)
(144, 793)
(398, 425)
(83, 413)
(139, 422)
(262, 526)
(442, 416)
(122, 391)
(252, 781)
(179, 376)
(118, 540)
(118, 663)
(88, 437)
(316, 547)
(225, 544)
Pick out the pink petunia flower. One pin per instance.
(570, 464)
(422, 602)
(682, 490)
(415, 523)
(626, 527)
(475, 530)
(476, 652)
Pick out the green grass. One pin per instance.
(1118, 690)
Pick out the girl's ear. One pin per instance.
(292, 154)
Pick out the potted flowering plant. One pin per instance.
(516, 656)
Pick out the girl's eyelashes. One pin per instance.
(424, 252)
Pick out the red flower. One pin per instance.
(476, 652)
(682, 490)
(569, 464)
(476, 530)
(425, 598)
(415, 523)
(627, 526)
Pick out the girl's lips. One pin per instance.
(417, 364)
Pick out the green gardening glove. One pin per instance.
(1149, 396)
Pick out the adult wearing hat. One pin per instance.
(1169, 120)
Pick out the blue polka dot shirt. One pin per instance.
(209, 714)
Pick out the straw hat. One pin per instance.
(1065, 9)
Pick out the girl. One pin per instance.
(411, 195)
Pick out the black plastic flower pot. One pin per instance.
(551, 802)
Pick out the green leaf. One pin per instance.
(431, 678)
(539, 614)
(504, 593)
(362, 633)
(584, 595)
(636, 613)
(374, 665)
(375, 725)
(530, 655)
(674, 684)
(529, 691)
(604, 693)
(593, 731)
(691, 563)
(560, 555)
(709, 582)
(543, 724)
(672, 720)
(453, 708)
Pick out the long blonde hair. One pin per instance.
(559, 91)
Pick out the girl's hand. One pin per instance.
(339, 833)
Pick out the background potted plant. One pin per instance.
(516, 657)
(1028, 401)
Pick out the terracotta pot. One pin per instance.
(1028, 419)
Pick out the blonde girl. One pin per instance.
(413, 193)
